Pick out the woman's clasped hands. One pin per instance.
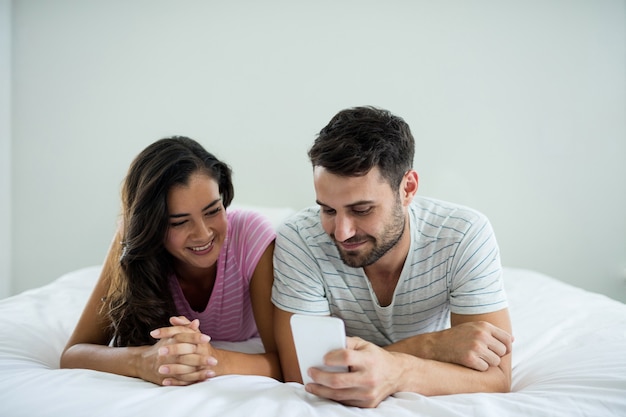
(182, 355)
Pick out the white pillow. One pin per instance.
(275, 214)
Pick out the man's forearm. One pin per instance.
(429, 377)
(421, 345)
(475, 344)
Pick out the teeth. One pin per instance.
(201, 248)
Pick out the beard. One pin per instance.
(382, 244)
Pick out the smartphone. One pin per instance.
(314, 337)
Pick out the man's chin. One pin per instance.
(353, 260)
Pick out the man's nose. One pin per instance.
(344, 227)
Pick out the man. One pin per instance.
(418, 282)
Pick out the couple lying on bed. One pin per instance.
(418, 282)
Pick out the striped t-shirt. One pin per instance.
(228, 315)
(453, 265)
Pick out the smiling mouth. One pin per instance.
(201, 248)
(351, 245)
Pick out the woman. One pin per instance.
(181, 271)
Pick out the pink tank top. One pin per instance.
(228, 315)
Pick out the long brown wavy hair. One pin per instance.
(139, 298)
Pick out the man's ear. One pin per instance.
(408, 187)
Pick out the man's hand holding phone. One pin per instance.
(314, 337)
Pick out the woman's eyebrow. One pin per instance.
(211, 204)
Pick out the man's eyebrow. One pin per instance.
(356, 203)
(211, 204)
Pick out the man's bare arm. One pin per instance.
(475, 341)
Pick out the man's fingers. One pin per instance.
(499, 349)
(355, 343)
(505, 344)
(490, 359)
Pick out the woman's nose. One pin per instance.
(202, 231)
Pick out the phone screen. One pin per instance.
(314, 337)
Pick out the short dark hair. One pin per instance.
(361, 138)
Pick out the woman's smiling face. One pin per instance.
(197, 222)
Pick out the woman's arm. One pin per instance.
(286, 346)
(260, 296)
(231, 362)
(88, 348)
(266, 364)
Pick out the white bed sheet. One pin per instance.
(569, 360)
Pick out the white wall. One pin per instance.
(517, 107)
(5, 148)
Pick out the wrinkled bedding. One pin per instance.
(569, 359)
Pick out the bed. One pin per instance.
(569, 360)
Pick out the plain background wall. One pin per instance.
(518, 109)
(5, 148)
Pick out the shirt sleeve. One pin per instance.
(251, 234)
(298, 279)
(477, 285)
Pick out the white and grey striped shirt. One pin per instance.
(453, 265)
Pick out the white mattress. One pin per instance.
(569, 359)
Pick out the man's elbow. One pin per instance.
(501, 380)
